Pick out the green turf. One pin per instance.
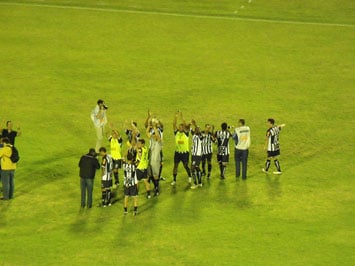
(55, 64)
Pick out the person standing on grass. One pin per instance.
(207, 149)
(106, 177)
(181, 146)
(116, 152)
(7, 170)
(130, 184)
(9, 133)
(142, 162)
(155, 150)
(99, 118)
(196, 155)
(273, 146)
(223, 137)
(242, 144)
(88, 165)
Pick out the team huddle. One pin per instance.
(143, 162)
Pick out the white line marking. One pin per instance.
(112, 10)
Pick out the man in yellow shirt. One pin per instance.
(116, 152)
(7, 170)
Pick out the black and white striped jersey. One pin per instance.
(273, 138)
(196, 149)
(207, 141)
(130, 178)
(223, 142)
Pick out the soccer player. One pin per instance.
(106, 177)
(154, 135)
(116, 152)
(142, 163)
(130, 184)
(273, 146)
(98, 117)
(181, 146)
(10, 133)
(196, 155)
(242, 144)
(207, 149)
(223, 137)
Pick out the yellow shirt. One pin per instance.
(5, 154)
(181, 142)
(115, 149)
(143, 159)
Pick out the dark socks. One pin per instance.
(267, 165)
(117, 181)
(277, 164)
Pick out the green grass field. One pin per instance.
(216, 61)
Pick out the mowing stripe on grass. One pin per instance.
(292, 22)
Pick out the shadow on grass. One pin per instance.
(273, 187)
(242, 197)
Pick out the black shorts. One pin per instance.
(273, 153)
(207, 157)
(117, 164)
(142, 174)
(223, 158)
(196, 160)
(106, 183)
(181, 157)
(131, 191)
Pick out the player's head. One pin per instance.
(134, 123)
(9, 124)
(102, 151)
(129, 156)
(207, 127)
(197, 130)
(224, 126)
(114, 133)
(181, 127)
(271, 122)
(5, 140)
(141, 143)
(100, 102)
(242, 122)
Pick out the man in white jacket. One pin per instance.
(98, 117)
(241, 137)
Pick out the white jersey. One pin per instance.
(243, 138)
(100, 121)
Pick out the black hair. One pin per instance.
(102, 149)
(100, 101)
(134, 123)
(272, 121)
(7, 122)
(224, 126)
(129, 156)
(142, 141)
(242, 121)
(5, 140)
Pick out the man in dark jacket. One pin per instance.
(88, 165)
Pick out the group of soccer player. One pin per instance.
(144, 164)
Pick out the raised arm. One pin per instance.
(175, 121)
(149, 116)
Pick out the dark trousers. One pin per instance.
(8, 184)
(241, 157)
(86, 186)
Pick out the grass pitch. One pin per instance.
(55, 64)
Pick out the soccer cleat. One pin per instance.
(125, 212)
(193, 187)
(190, 180)
(200, 185)
(148, 197)
(109, 204)
(104, 206)
(135, 213)
(277, 173)
(173, 183)
(265, 171)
